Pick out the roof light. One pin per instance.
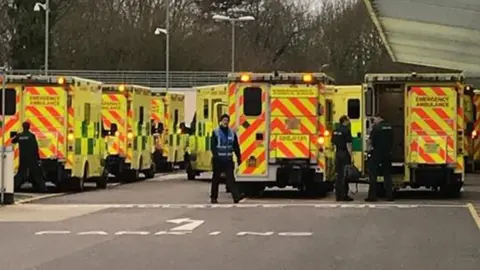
(121, 88)
(245, 78)
(307, 78)
(60, 80)
(326, 133)
(474, 134)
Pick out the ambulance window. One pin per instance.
(353, 107)
(86, 114)
(328, 111)
(175, 119)
(205, 109)
(141, 115)
(217, 107)
(252, 101)
(10, 101)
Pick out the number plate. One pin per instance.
(431, 148)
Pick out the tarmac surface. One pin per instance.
(167, 223)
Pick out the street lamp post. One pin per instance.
(233, 22)
(166, 32)
(38, 6)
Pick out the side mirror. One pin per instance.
(105, 132)
(160, 128)
(13, 134)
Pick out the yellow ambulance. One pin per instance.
(64, 114)
(211, 103)
(126, 128)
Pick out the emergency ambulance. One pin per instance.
(64, 115)
(158, 124)
(127, 132)
(211, 104)
(175, 137)
(472, 127)
(347, 100)
(426, 112)
(281, 127)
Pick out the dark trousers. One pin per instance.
(31, 172)
(227, 168)
(342, 159)
(380, 165)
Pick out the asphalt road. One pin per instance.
(168, 224)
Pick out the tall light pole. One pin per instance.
(233, 21)
(38, 6)
(166, 32)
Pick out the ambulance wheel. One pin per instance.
(252, 189)
(191, 174)
(78, 183)
(315, 190)
(129, 176)
(451, 190)
(150, 173)
(102, 181)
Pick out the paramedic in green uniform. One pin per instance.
(381, 140)
(29, 167)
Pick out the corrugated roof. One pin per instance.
(437, 33)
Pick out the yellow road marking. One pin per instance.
(36, 198)
(474, 214)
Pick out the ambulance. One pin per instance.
(472, 127)
(175, 133)
(64, 115)
(158, 124)
(126, 128)
(212, 102)
(280, 123)
(347, 100)
(426, 112)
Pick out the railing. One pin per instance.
(178, 79)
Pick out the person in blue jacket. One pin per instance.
(224, 143)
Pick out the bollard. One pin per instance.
(7, 175)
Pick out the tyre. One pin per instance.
(150, 173)
(191, 174)
(252, 189)
(316, 190)
(129, 176)
(102, 181)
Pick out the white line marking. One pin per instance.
(52, 232)
(214, 233)
(132, 233)
(255, 233)
(192, 224)
(171, 233)
(93, 233)
(269, 205)
(295, 234)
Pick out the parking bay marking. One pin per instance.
(191, 225)
(176, 233)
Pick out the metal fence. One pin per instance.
(178, 79)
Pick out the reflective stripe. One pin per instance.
(224, 143)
